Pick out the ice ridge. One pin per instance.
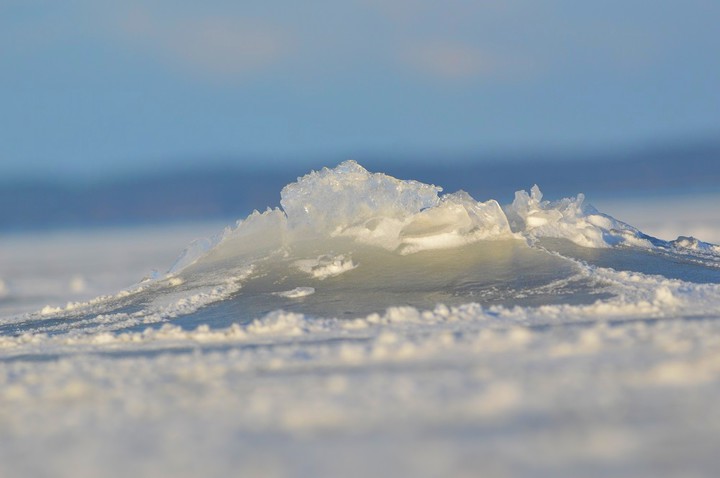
(408, 216)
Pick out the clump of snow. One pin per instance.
(296, 293)
(325, 266)
(572, 219)
(279, 323)
(694, 244)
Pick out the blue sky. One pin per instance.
(97, 87)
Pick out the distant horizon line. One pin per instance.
(268, 163)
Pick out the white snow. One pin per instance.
(532, 364)
(297, 292)
(325, 266)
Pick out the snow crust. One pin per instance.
(523, 360)
(377, 394)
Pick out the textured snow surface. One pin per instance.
(370, 327)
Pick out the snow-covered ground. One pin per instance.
(423, 336)
(38, 269)
(668, 217)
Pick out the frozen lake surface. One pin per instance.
(370, 326)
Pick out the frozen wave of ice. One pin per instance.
(364, 242)
(409, 216)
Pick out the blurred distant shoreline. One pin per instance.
(230, 190)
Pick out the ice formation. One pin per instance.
(364, 325)
(409, 217)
